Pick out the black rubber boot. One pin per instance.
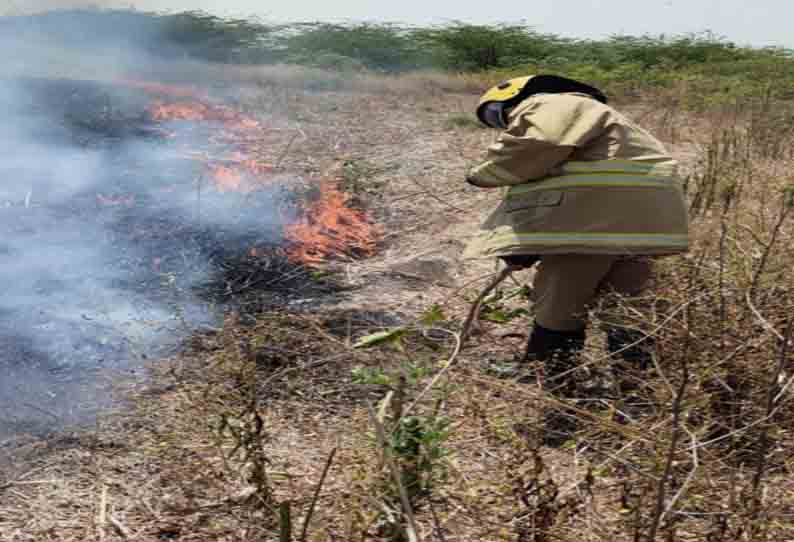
(524, 261)
(557, 350)
(633, 347)
(633, 350)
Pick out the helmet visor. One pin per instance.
(493, 115)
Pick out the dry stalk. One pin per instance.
(426, 192)
(316, 496)
(772, 393)
(661, 489)
(786, 207)
(474, 312)
(120, 528)
(285, 152)
(102, 520)
(677, 409)
(285, 522)
(437, 523)
(460, 338)
(690, 476)
(411, 528)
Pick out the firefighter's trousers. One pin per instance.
(565, 286)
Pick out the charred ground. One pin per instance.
(116, 242)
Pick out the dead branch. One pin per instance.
(474, 312)
(315, 498)
(411, 528)
(120, 528)
(770, 409)
(784, 212)
(460, 338)
(661, 490)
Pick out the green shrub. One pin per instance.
(467, 47)
(712, 71)
(378, 47)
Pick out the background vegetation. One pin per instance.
(716, 70)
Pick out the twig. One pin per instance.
(103, 515)
(677, 407)
(474, 312)
(285, 522)
(435, 197)
(661, 490)
(411, 529)
(316, 496)
(460, 338)
(770, 408)
(768, 246)
(450, 362)
(303, 367)
(690, 476)
(437, 523)
(120, 528)
(760, 317)
(285, 153)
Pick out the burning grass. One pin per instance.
(321, 225)
(329, 227)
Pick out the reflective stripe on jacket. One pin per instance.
(579, 178)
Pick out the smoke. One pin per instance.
(104, 232)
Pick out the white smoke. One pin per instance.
(78, 288)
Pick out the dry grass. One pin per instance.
(246, 420)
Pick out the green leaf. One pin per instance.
(522, 291)
(435, 314)
(390, 336)
(495, 316)
(364, 375)
(502, 317)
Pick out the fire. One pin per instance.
(325, 227)
(229, 179)
(233, 121)
(181, 111)
(329, 227)
(234, 173)
(180, 91)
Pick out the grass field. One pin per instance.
(282, 429)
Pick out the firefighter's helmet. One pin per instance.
(497, 100)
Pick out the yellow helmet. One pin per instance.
(507, 94)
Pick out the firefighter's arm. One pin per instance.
(517, 160)
(541, 136)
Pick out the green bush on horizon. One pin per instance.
(714, 69)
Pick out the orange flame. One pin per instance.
(328, 227)
(237, 173)
(180, 91)
(180, 111)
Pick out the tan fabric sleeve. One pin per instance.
(543, 132)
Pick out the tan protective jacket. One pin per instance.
(580, 178)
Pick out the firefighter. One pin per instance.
(589, 196)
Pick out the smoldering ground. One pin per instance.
(105, 233)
